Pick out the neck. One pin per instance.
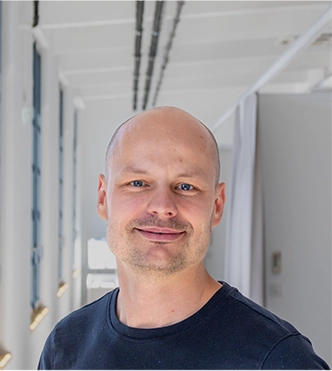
(150, 301)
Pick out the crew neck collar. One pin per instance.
(202, 314)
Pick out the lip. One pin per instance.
(160, 234)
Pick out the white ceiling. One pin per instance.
(220, 49)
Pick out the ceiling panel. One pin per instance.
(100, 77)
(56, 14)
(110, 36)
(243, 27)
(205, 7)
(102, 59)
(220, 48)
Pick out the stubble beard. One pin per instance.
(125, 247)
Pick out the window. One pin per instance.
(74, 174)
(62, 286)
(102, 273)
(36, 176)
(74, 190)
(60, 246)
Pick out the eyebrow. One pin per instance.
(188, 174)
(134, 170)
(191, 174)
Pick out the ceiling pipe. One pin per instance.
(153, 49)
(138, 43)
(300, 44)
(168, 48)
(36, 14)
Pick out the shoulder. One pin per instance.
(73, 331)
(85, 316)
(82, 322)
(251, 314)
(294, 353)
(281, 345)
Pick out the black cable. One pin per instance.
(36, 13)
(138, 43)
(167, 49)
(153, 49)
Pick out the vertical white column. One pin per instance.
(77, 283)
(16, 194)
(67, 199)
(49, 183)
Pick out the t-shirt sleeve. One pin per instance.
(294, 352)
(46, 358)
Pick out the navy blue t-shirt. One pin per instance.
(228, 332)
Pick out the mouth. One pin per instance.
(160, 234)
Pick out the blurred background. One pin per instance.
(258, 74)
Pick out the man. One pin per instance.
(161, 198)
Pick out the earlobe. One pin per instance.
(102, 198)
(219, 204)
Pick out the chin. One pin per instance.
(160, 265)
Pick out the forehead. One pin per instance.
(166, 124)
(162, 137)
(176, 128)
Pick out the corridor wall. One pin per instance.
(215, 256)
(16, 337)
(294, 139)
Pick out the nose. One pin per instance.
(162, 203)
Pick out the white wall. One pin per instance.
(214, 259)
(294, 135)
(15, 210)
(16, 190)
(106, 116)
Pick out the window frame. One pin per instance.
(61, 184)
(74, 190)
(36, 248)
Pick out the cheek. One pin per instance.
(198, 210)
(124, 206)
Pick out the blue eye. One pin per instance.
(137, 183)
(186, 187)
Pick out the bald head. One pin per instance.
(170, 123)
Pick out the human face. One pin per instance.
(160, 199)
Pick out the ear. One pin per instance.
(219, 204)
(102, 198)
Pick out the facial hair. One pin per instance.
(158, 257)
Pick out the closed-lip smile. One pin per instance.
(160, 234)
